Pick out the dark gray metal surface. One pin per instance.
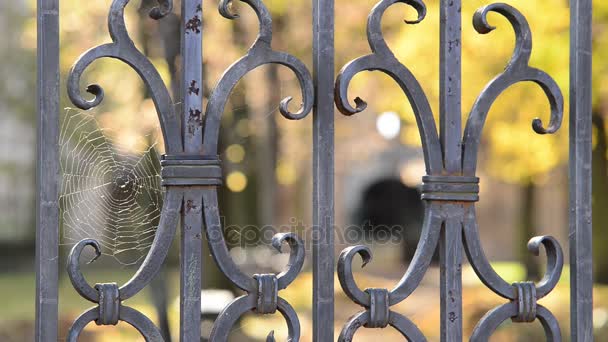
(581, 251)
(192, 128)
(450, 128)
(323, 259)
(191, 173)
(47, 172)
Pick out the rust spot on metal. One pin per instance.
(190, 206)
(193, 89)
(194, 120)
(452, 317)
(194, 25)
(199, 8)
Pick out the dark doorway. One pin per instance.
(390, 208)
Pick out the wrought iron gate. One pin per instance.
(191, 174)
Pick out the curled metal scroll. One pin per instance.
(516, 71)
(251, 285)
(109, 297)
(259, 54)
(397, 321)
(123, 49)
(488, 275)
(262, 289)
(147, 271)
(448, 195)
(377, 302)
(412, 277)
(523, 296)
(383, 59)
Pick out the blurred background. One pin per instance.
(110, 163)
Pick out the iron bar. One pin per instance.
(192, 218)
(47, 173)
(450, 283)
(581, 256)
(323, 171)
(450, 129)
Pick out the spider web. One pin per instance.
(107, 193)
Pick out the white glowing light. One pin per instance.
(388, 125)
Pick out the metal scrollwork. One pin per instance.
(523, 295)
(450, 195)
(383, 59)
(109, 297)
(262, 289)
(517, 70)
(182, 171)
(259, 54)
(377, 302)
(123, 49)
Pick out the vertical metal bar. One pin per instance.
(192, 220)
(451, 137)
(323, 171)
(47, 172)
(450, 85)
(581, 262)
(450, 253)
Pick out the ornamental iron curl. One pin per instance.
(262, 289)
(108, 296)
(259, 54)
(449, 196)
(187, 176)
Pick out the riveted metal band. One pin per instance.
(526, 302)
(268, 293)
(189, 170)
(109, 304)
(378, 308)
(450, 188)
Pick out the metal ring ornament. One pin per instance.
(406, 327)
(229, 316)
(259, 54)
(491, 320)
(129, 315)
